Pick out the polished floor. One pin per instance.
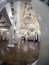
(23, 52)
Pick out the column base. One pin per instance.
(11, 45)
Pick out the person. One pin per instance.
(23, 38)
(36, 39)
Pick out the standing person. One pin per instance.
(36, 39)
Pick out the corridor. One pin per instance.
(24, 32)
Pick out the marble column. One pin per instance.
(11, 33)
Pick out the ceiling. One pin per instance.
(5, 21)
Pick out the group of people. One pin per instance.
(36, 37)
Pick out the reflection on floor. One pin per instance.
(22, 54)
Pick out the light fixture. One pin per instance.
(3, 29)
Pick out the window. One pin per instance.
(27, 20)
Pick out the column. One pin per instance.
(11, 33)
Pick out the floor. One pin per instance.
(23, 52)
